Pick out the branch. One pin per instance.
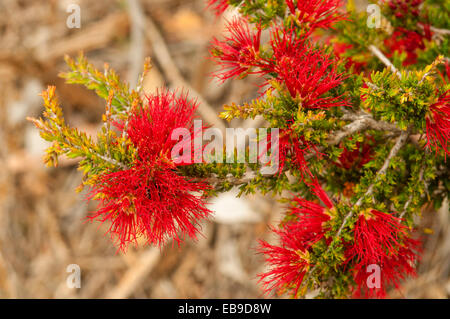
(384, 59)
(102, 157)
(401, 140)
(66, 149)
(213, 180)
(440, 31)
(360, 122)
(94, 152)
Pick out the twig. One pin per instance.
(437, 31)
(408, 202)
(384, 59)
(360, 122)
(102, 157)
(440, 31)
(136, 52)
(229, 179)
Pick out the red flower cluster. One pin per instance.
(381, 240)
(150, 199)
(403, 40)
(289, 262)
(314, 14)
(308, 75)
(239, 51)
(438, 124)
(219, 6)
(306, 72)
(404, 8)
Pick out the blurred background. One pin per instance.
(42, 219)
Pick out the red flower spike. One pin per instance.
(150, 129)
(238, 52)
(438, 124)
(380, 239)
(306, 72)
(289, 262)
(150, 199)
(320, 193)
(315, 14)
(310, 219)
(219, 6)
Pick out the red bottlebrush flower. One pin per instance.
(315, 14)
(150, 129)
(306, 72)
(150, 199)
(357, 157)
(289, 262)
(238, 52)
(219, 6)
(380, 239)
(438, 124)
(403, 40)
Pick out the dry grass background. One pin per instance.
(42, 228)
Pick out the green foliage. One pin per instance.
(438, 11)
(404, 101)
(261, 11)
